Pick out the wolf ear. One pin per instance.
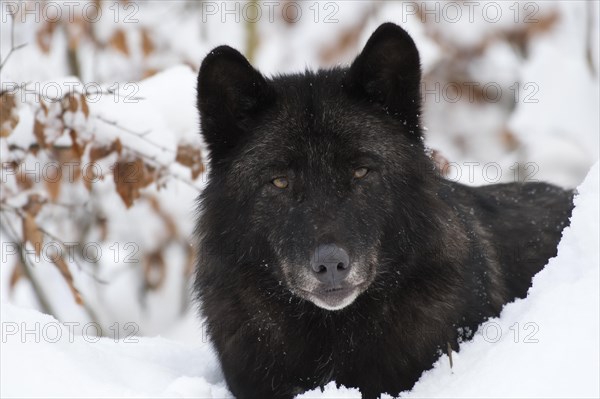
(388, 71)
(230, 91)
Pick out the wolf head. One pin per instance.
(310, 173)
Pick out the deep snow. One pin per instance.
(554, 354)
(559, 136)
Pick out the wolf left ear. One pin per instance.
(388, 71)
(230, 91)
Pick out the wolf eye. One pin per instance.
(361, 172)
(280, 182)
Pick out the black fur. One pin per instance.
(436, 255)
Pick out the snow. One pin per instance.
(66, 365)
(558, 136)
(545, 345)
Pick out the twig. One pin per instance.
(251, 35)
(13, 48)
(591, 11)
(19, 213)
(449, 350)
(64, 245)
(37, 289)
(160, 165)
(108, 90)
(147, 157)
(141, 135)
(44, 303)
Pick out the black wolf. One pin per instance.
(330, 249)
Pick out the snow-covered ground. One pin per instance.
(543, 346)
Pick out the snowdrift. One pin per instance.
(543, 346)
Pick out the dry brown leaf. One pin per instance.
(69, 159)
(150, 72)
(102, 224)
(44, 36)
(128, 177)
(155, 270)
(38, 131)
(131, 176)
(119, 42)
(510, 140)
(100, 151)
(191, 157)
(16, 275)
(117, 146)
(84, 105)
(9, 116)
(518, 35)
(147, 44)
(75, 102)
(32, 234)
(71, 103)
(77, 148)
(150, 175)
(34, 204)
(53, 188)
(24, 180)
(525, 32)
(64, 154)
(44, 107)
(80, 27)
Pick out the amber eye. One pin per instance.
(359, 173)
(280, 182)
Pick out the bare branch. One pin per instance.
(13, 47)
(19, 213)
(39, 292)
(144, 156)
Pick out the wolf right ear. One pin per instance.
(230, 90)
(388, 72)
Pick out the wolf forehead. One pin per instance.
(312, 117)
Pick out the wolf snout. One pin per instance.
(330, 264)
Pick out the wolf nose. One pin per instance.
(330, 264)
